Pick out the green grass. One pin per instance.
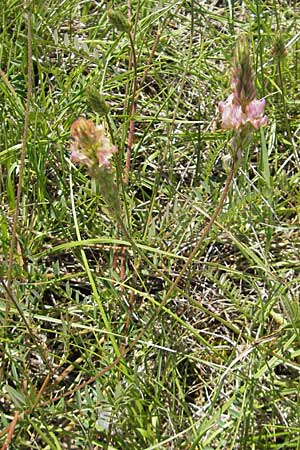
(219, 366)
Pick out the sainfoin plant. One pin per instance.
(242, 113)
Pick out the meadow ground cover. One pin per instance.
(151, 303)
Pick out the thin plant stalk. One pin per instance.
(7, 83)
(133, 108)
(22, 158)
(91, 279)
(11, 430)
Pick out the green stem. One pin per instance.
(132, 110)
(174, 284)
(91, 278)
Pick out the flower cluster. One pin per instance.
(242, 107)
(90, 146)
(234, 117)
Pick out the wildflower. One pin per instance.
(242, 107)
(90, 146)
(234, 117)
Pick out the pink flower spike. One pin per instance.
(242, 108)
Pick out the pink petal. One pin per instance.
(78, 157)
(221, 106)
(263, 121)
(256, 108)
(104, 154)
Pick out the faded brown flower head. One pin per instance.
(90, 146)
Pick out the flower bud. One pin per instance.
(279, 50)
(119, 20)
(96, 101)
